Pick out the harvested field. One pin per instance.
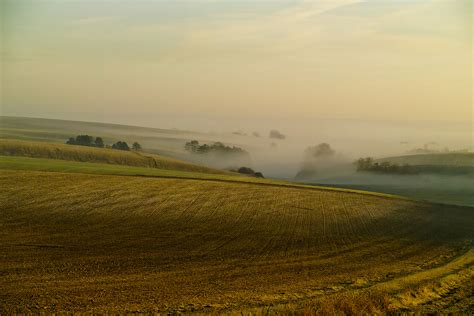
(78, 242)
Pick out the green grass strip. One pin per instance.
(55, 165)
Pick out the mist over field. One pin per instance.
(343, 72)
(236, 157)
(276, 157)
(350, 139)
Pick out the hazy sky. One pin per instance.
(171, 62)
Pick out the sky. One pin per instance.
(221, 64)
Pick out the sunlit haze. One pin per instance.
(213, 64)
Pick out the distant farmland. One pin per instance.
(105, 243)
(437, 159)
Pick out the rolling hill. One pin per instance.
(161, 142)
(168, 142)
(28, 128)
(194, 242)
(437, 159)
(441, 178)
(97, 155)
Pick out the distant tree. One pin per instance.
(246, 170)
(276, 134)
(217, 147)
(250, 172)
(307, 171)
(368, 164)
(99, 142)
(84, 140)
(192, 146)
(321, 150)
(136, 146)
(203, 149)
(363, 164)
(121, 146)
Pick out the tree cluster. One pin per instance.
(87, 140)
(317, 159)
(276, 134)
(120, 146)
(321, 150)
(248, 171)
(218, 147)
(368, 164)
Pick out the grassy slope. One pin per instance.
(444, 159)
(52, 165)
(78, 242)
(97, 155)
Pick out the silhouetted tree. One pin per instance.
(99, 142)
(250, 172)
(203, 149)
(136, 146)
(364, 163)
(192, 146)
(84, 140)
(121, 146)
(321, 150)
(218, 147)
(368, 164)
(246, 170)
(276, 134)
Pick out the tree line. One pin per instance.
(91, 141)
(368, 164)
(217, 147)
